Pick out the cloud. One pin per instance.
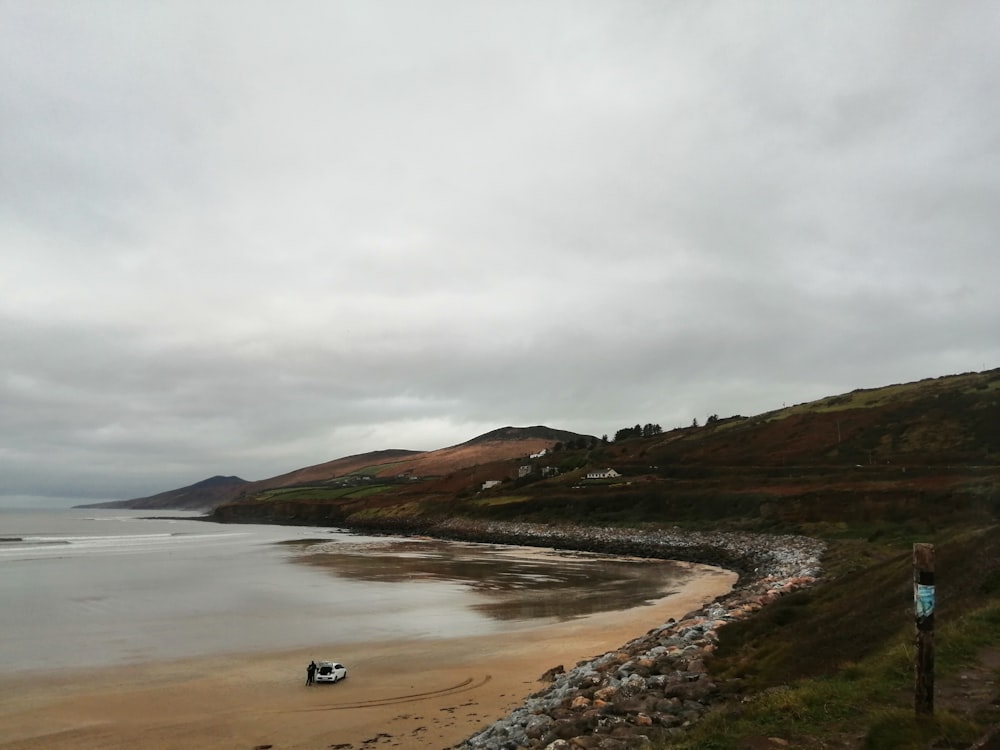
(241, 241)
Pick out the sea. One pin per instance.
(86, 588)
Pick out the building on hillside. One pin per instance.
(524, 470)
(608, 473)
(550, 471)
(540, 453)
(489, 484)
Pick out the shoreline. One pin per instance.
(427, 693)
(654, 685)
(477, 692)
(754, 556)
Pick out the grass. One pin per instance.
(399, 510)
(321, 493)
(900, 729)
(498, 500)
(358, 492)
(962, 640)
(375, 469)
(869, 701)
(866, 398)
(834, 666)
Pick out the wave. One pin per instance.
(54, 545)
(140, 519)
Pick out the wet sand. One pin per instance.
(417, 694)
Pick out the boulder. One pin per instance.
(550, 674)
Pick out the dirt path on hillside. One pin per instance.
(973, 693)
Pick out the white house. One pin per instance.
(608, 473)
(489, 484)
(540, 453)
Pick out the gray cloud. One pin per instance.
(238, 240)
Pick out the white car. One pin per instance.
(330, 671)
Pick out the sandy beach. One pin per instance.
(418, 694)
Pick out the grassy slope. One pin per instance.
(833, 666)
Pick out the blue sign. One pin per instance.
(923, 601)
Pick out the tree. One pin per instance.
(647, 430)
(625, 433)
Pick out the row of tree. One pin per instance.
(646, 430)
(640, 430)
(649, 430)
(576, 444)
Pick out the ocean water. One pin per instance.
(86, 588)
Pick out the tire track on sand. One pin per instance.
(465, 685)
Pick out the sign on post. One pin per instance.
(923, 612)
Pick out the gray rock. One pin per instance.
(659, 678)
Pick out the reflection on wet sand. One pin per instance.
(515, 583)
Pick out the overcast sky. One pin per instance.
(246, 237)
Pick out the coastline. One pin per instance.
(654, 685)
(427, 693)
(753, 556)
(482, 692)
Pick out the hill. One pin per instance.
(538, 432)
(898, 453)
(498, 445)
(202, 495)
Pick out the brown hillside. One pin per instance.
(940, 421)
(881, 452)
(387, 464)
(468, 455)
(917, 451)
(376, 463)
(476, 455)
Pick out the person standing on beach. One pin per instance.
(311, 673)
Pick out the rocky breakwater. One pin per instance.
(657, 684)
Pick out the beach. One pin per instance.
(422, 693)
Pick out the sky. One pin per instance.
(243, 237)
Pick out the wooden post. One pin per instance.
(923, 611)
